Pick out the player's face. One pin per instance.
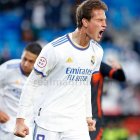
(27, 62)
(97, 25)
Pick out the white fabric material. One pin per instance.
(11, 83)
(63, 92)
(77, 133)
(10, 136)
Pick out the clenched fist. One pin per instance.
(3, 117)
(91, 124)
(21, 130)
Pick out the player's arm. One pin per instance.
(26, 104)
(91, 122)
(43, 65)
(3, 75)
(114, 71)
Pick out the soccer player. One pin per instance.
(114, 71)
(62, 75)
(13, 75)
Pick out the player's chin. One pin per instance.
(98, 39)
(27, 72)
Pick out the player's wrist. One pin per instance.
(20, 120)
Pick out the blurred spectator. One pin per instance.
(5, 55)
(38, 15)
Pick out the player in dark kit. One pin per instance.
(115, 72)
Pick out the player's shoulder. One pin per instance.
(60, 41)
(12, 64)
(94, 43)
(56, 43)
(96, 46)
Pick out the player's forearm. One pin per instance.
(88, 110)
(88, 103)
(26, 100)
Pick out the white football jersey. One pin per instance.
(11, 83)
(65, 84)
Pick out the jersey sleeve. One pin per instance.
(26, 103)
(44, 64)
(46, 61)
(119, 75)
(108, 71)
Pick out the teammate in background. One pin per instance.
(64, 69)
(13, 74)
(114, 71)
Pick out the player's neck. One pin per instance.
(79, 37)
(23, 72)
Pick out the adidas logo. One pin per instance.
(69, 60)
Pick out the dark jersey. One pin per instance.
(97, 86)
(96, 93)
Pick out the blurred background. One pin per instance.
(43, 20)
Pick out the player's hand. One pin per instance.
(21, 130)
(3, 117)
(91, 124)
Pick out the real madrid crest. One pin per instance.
(93, 60)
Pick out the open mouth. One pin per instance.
(101, 33)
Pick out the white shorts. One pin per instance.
(75, 134)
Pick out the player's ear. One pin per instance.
(85, 22)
